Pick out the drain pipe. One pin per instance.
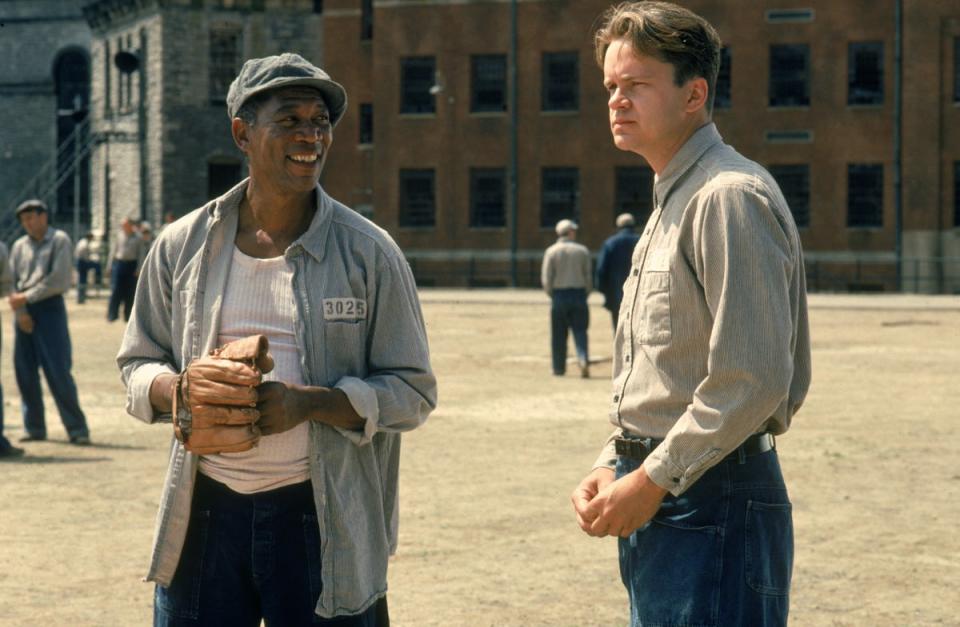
(897, 140)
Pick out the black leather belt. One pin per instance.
(639, 448)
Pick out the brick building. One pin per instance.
(44, 94)
(161, 70)
(809, 89)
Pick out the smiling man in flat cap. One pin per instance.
(281, 495)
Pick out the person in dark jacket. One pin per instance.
(613, 265)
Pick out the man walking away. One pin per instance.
(566, 278)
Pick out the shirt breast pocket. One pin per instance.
(655, 327)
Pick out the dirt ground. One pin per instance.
(487, 534)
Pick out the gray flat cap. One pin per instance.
(34, 204)
(565, 226)
(284, 70)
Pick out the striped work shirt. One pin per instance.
(713, 343)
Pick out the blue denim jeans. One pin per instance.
(719, 554)
(47, 348)
(568, 311)
(249, 557)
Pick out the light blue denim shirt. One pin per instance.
(375, 350)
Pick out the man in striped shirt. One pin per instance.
(712, 349)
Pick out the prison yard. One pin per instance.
(487, 534)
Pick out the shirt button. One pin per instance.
(616, 397)
(635, 272)
(627, 359)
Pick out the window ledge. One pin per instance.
(418, 116)
(865, 107)
(368, 146)
(488, 114)
(788, 107)
(489, 229)
(560, 112)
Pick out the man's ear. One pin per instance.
(698, 94)
(240, 132)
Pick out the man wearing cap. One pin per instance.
(300, 518)
(566, 277)
(126, 253)
(41, 264)
(613, 264)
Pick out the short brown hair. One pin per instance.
(667, 32)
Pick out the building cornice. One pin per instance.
(102, 14)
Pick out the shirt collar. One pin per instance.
(702, 140)
(312, 240)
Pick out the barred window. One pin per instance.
(865, 73)
(790, 75)
(417, 75)
(417, 200)
(489, 84)
(864, 195)
(794, 182)
(487, 197)
(226, 55)
(366, 123)
(634, 192)
(559, 195)
(722, 98)
(561, 81)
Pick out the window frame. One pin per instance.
(476, 196)
(405, 213)
(549, 86)
(855, 201)
(489, 85)
(424, 103)
(549, 216)
(637, 206)
(784, 173)
(778, 98)
(877, 97)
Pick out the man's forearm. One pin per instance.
(330, 406)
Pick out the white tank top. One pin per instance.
(259, 299)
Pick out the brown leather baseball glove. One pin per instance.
(215, 398)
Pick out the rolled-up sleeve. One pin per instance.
(400, 389)
(744, 259)
(147, 348)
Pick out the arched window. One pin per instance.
(71, 77)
